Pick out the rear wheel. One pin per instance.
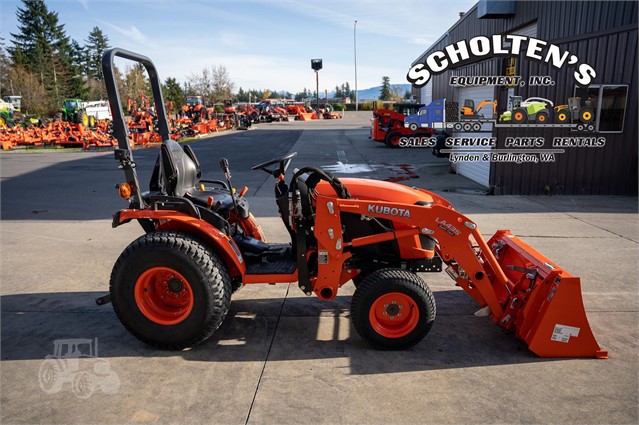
(586, 115)
(170, 290)
(82, 118)
(393, 309)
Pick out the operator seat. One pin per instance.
(177, 173)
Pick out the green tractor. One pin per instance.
(533, 109)
(8, 115)
(73, 111)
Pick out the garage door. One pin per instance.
(476, 171)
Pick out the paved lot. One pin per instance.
(281, 357)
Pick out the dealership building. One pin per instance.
(601, 34)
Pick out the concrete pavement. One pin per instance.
(282, 357)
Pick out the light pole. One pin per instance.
(355, 51)
(316, 65)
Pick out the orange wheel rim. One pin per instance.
(562, 117)
(163, 296)
(394, 315)
(542, 118)
(519, 116)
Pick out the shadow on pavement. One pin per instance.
(51, 187)
(307, 329)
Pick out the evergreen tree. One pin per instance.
(385, 93)
(43, 48)
(346, 89)
(172, 92)
(241, 96)
(5, 65)
(95, 46)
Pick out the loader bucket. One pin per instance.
(544, 305)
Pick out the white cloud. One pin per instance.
(132, 33)
(84, 3)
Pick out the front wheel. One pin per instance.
(393, 138)
(170, 290)
(413, 126)
(393, 309)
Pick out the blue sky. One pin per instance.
(263, 43)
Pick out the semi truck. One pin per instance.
(441, 115)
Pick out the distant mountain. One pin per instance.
(373, 92)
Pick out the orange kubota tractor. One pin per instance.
(171, 287)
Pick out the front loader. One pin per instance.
(172, 287)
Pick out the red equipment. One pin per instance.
(387, 125)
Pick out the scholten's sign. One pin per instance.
(481, 46)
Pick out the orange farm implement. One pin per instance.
(57, 133)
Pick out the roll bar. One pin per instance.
(120, 131)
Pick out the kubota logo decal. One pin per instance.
(396, 212)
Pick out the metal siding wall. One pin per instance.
(608, 170)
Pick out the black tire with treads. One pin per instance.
(204, 272)
(386, 281)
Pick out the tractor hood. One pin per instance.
(378, 190)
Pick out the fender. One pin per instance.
(175, 220)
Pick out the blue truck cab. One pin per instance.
(430, 116)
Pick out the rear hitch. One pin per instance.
(105, 299)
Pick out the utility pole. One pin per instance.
(355, 50)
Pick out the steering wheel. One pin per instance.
(283, 162)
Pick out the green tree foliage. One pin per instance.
(302, 96)
(385, 93)
(241, 95)
(95, 45)
(135, 83)
(5, 67)
(42, 48)
(173, 92)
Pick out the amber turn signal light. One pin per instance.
(125, 190)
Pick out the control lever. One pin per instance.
(224, 165)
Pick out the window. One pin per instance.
(608, 102)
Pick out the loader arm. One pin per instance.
(518, 287)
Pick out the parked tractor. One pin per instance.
(72, 111)
(533, 109)
(574, 112)
(387, 125)
(172, 286)
(7, 114)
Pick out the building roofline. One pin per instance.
(432, 46)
